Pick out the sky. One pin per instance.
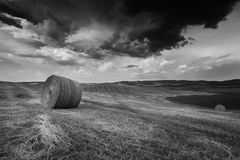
(119, 40)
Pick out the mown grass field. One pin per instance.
(115, 121)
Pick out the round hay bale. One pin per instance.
(220, 107)
(60, 92)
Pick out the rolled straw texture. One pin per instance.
(220, 107)
(60, 92)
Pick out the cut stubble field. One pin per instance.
(114, 121)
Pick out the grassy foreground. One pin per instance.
(114, 121)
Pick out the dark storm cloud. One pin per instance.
(141, 28)
(224, 56)
(132, 66)
(174, 16)
(69, 62)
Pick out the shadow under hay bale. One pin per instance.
(220, 107)
(60, 92)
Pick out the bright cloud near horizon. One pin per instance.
(92, 42)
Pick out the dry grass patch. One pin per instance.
(115, 123)
(38, 141)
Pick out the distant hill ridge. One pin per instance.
(179, 83)
(173, 83)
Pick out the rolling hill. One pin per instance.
(122, 120)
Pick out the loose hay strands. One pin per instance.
(61, 92)
(41, 140)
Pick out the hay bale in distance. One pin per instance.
(60, 92)
(220, 107)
